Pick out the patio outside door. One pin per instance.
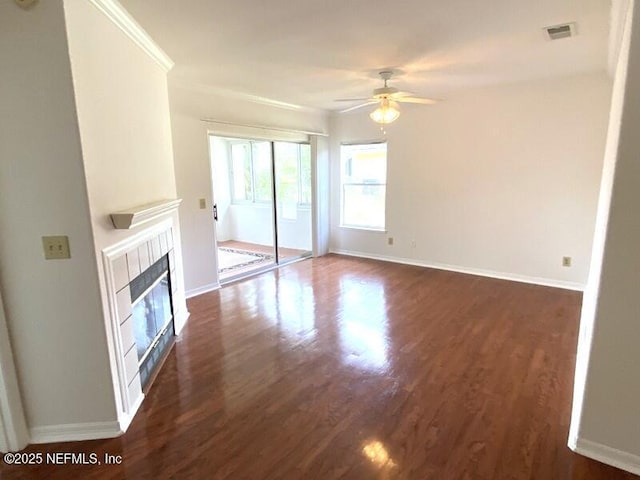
(262, 192)
(243, 193)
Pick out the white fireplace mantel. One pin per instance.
(137, 216)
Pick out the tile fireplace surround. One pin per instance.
(122, 263)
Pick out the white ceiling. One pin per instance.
(309, 53)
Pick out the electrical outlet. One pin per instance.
(390, 241)
(413, 244)
(56, 247)
(566, 261)
(203, 203)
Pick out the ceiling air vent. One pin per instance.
(556, 32)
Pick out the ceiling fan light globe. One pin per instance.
(385, 114)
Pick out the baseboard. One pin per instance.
(610, 456)
(72, 432)
(180, 323)
(127, 418)
(200, 290)
(471, 271)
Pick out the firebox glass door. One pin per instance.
(151, 314)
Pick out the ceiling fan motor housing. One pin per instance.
(384, 92)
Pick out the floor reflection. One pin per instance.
(378, 454)
(287, 302)
(264, 320)
(295, 308)
(363, 324)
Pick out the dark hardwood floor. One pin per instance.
(342, 368)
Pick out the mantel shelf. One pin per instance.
(144, 213)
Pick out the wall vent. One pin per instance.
(556, 32)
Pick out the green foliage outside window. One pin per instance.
(251, 172)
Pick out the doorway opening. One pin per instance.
(262, 204)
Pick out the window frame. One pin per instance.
(300, 203)
(343, 184)
(232, 173)
(253, 200)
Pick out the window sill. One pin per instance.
(365, 229)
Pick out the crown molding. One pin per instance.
(213, 90)
(225, 123)
(123, 20)
(619, 12)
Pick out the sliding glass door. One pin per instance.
(292, 163)
(244, 209)
(262, 195)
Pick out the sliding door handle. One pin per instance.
(215, 212)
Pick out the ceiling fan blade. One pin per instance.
(363, 99)
(366, 104)
(420, 100)
(402, 94)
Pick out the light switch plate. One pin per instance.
(25, 3)
(203, 203)
(56, 247)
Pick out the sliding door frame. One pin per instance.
(272, 137)
(274, 200)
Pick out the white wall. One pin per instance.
(14, 434)
(192, 164)
(295, 232)
(321, 180)
(219, 151)
(123, 109)
(501, 181)
(85, 131)
(605, 423)
(53, 308)
(254, 224)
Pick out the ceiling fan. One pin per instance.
(388, 99)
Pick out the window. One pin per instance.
(363, 181)
(242, 172)
(261, 158)
(293, 173)
(251, 174)
(305, 174)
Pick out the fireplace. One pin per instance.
(147, 306)
(152, 317)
